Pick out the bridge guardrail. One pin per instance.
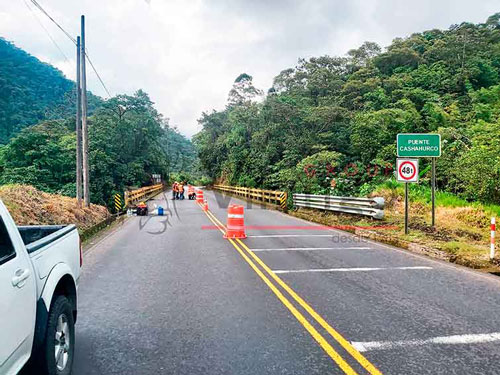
(87, 233)
(141, 194)
(373, 207)
(266, 196)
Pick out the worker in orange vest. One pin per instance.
(142, 209)
(181, 190)
(174, 190)
(191, 193)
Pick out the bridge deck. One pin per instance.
(172, 296)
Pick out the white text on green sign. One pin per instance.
(419, 145)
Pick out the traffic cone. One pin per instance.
(235, 222)
(205, 206)
(199, 196)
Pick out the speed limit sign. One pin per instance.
(407, 170)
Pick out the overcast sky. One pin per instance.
(187, 53)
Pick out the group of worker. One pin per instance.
(178, 191)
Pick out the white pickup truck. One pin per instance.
(39, 271)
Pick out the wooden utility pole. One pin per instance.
(85, 138)
(78, 127)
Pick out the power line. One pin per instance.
(95, 71)
(46, 31)
(59, 26)
(74, 42)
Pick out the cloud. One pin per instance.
(186, 54)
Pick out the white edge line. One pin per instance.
(441, 340)
(289, 235)
(311, 248)
(358, 269)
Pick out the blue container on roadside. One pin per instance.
(160, 211)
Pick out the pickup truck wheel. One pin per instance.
(58, 348)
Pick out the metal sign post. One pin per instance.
(406, 207)
(433, 192)
(407, 172)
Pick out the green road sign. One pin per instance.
(419, 145)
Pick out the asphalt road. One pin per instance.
(169, 295)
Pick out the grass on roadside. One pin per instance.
(422, 193)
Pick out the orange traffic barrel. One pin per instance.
(205, 205)
(199, 196)
(235, 222)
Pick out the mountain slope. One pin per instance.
(31, 91)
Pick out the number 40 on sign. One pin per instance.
(407, 170)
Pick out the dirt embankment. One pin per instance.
(29, 206)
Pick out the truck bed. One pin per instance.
(38, 236)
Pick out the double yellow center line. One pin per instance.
(247, 254)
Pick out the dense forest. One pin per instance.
(128, 139)
(181, 152)
(329, 124)
(32, 91)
